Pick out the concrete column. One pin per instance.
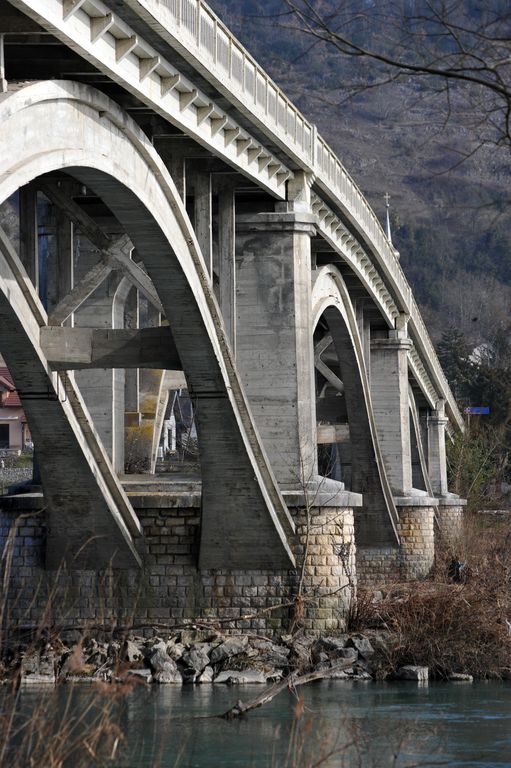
(65, 265)
(389, 390)
(3, 81)
(28, 232)
(437, 464)
(227, 261)
(203, 209)
(274, 337)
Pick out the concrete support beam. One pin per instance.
(389, 389)
(65, 255)
(333, 433)
(274, 339)
(61, 199)
(81, 348)
(116, 254)
(437, 464)
(80, 293)
(121, 261)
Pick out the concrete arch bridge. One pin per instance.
(170, 221)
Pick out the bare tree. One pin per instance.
(460, 48)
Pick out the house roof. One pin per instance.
(11, 400)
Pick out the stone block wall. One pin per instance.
(413, 559)
(170, 590)
(378, 565)
(450, 524)
(416, 530)
(326, 539)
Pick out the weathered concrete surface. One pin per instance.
(274, 340)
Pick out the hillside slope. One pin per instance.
(451, 219)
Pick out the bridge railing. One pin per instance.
(337, 183)
(199, 30)
(195, 28)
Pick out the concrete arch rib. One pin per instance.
(376, 523)
(68, 126)
(90, 519)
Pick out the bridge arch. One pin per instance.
(65, 126)
(332, 307)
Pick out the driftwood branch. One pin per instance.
(291, 681)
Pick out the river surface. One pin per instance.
(337, 723)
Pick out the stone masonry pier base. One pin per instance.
(413, 559)
(169, 589)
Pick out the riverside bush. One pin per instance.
(455, 627)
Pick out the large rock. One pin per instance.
(362, 645)
(197, 657)
(175, 650)
(331, 644)
(207, 676)
(157, 656)
(270, 653)
(412, 672)
(350, 654)
(232, 646)
(301, 651)
(131, 652)
(164, 668)
(460, 677)
(168, 674)
(235, 677)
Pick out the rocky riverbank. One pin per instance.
(201, 656)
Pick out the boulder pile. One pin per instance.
(197, 656)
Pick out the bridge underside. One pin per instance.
(170, 275)
(241, 502)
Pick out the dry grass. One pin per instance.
(452, 626)
(36, 731)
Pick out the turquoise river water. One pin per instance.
(341, 724)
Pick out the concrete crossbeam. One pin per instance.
(84, 348)
(333, 433)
